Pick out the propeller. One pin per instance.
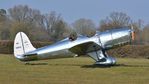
(132, 38)
(132, 33)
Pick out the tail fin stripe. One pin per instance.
(22, 42)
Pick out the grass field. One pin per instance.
(79, 70)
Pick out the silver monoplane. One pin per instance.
(94, 46)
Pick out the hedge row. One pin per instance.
(134, 51)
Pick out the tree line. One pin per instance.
(52, 27)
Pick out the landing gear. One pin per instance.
(106, 61)
(102, 57)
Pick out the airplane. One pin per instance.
(95, 46)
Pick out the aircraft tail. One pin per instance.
(22, 45)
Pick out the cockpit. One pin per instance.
(73, 37)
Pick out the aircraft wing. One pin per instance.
(90, 48)
(85, 48)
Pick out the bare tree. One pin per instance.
(54, 25)
(50, 20)
(4, 25)
(84, 27)
(2, 15)
(145, 34)
(115, 20)
(27, 20)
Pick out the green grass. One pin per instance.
(77, 70)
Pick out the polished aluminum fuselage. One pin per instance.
(59, 49)
(106, 40)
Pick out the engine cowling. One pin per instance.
(115, 37)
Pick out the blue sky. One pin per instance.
(95, 10)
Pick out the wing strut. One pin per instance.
(97, 55)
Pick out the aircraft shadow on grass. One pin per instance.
(125, 65)
(116, 65)
(89, 66)
(30, 63)
(36, 63)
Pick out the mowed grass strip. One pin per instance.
(78, 70)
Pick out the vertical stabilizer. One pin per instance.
(22, 45)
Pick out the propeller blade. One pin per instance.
(133, 33)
